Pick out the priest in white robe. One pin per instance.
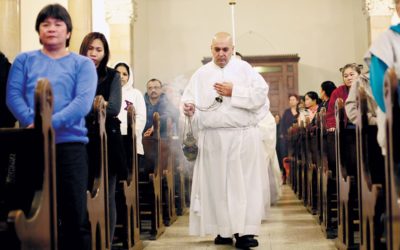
(226, 98)
(268, 137)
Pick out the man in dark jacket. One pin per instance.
(6, 118)
(156, 101)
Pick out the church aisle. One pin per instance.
(290, 226)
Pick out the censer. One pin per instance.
(189, 143)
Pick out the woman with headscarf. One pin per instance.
(131, 96)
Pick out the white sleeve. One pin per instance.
(251, 96)
(140, 108)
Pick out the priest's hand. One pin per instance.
(188, 109)
(224, 88)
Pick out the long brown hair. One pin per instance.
(87, 41)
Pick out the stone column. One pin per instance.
(81, 14)
(120, 17)
(10, 28)
(379, 14)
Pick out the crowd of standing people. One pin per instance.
(225, 99)
(75, 80)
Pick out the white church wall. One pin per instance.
(141, 45)
(360, 31)
(172, 36)
(325, 33)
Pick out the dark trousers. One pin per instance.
(112, 182)
(282, 152)
(72, 182)
(117, 170)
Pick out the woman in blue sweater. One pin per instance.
(73, 80)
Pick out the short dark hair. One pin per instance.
(294, 95)
(328, 87)
(56, 11)
(154, 80)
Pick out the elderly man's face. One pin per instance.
(222, 50)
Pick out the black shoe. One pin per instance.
(222, 241)
(246, 241)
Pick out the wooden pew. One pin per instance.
(316, 148)
(97, 195)
(295, 172)
(168, 184)
(311, 165)
(329, 192)
(150, 196)
(392, 161)
(127, 197)
(286, 161)
(29, 155)
(303, 161)
(346, 181)
(371, 175)
(296, 160)
(292, 133)
(290, 159)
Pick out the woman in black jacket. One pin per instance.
(95, 46)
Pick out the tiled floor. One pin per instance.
(289, 227)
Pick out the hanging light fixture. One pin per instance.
(232, 3)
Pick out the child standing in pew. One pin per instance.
(73, 79)
(95, 46)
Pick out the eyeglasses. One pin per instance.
(217, 49)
